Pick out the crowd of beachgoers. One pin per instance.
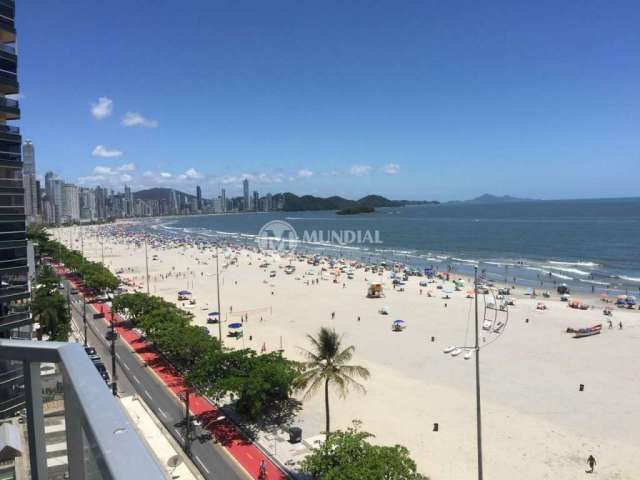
(413, 328)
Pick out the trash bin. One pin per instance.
(295, 435)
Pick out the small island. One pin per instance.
(356, 210)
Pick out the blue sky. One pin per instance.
(413, 99)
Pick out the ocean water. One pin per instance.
(584, 243)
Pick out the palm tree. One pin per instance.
(327, 363)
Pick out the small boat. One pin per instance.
(486, 325)
(467, 355)
(595, 328)
(449, 349)
(456, 352)
(498, 328)
(586, 334)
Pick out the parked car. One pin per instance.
(110, 335)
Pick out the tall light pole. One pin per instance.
(477, 346)
(218, 288)
(146, 261)
(84, 294)
(114, 376)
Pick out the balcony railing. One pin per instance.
(10, 129)
(112, 445)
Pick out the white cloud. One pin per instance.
(102, 109)
(165, 175)
(148, 174)
(360, 170)
(102, 151)
(125, 178)
(101, 170)
(390, 168)
(127, 167)
(192, 174)
(304, 173)
(133, 119)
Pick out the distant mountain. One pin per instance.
(294, 203)
(488, 198)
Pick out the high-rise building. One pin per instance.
(223, 200)
(38, 198)
(255, 203)
(245, 191)
(15, 317)
(29, 181)
(198, 197)
(87, 204)
(70, 203)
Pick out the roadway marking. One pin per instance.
(136, 378)
(126, 366)
(118, 356)
(201, 464)
(148, 395)
(180, 435)
(162, 413)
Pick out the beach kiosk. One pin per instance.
(375, 290)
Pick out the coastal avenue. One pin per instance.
(210, 459)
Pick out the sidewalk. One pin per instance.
(248, 455)
(162, 447)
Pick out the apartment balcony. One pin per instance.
(9, 109)
(14, 293)
(101, 442)
(10, 154)
(8, 83)
(15, 320)
(7, 22)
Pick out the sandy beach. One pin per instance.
(536, 422)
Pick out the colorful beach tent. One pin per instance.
(235, 325)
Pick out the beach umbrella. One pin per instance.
(184, 292)
(213, 314)
(235, 325)
(398, 322)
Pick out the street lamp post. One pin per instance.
(218, 288)
(114, 378)
(84, 294)
(477, 348)
(146, 261)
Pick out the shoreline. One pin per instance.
(531, 404)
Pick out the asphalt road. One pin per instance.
(211, 459)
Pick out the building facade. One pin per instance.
(15, 317)
(29, 181)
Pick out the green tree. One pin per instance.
(347, 455)
(49, 307)
(327, 363)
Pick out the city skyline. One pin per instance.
(62, 202)
(401, 107)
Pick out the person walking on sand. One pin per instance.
(591, 461)
(620, 325)
(333, 315)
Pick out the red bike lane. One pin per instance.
(226, 434)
